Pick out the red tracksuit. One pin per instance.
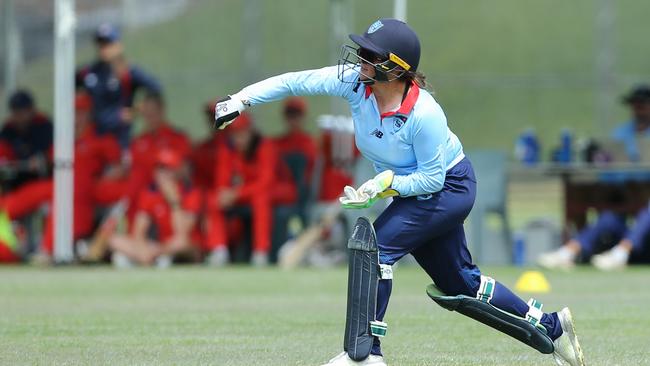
(301, 143)
(92, 154)
(204, 161)
(153, 203)
(143, 151)
(261, 182)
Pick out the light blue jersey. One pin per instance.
(414, 141)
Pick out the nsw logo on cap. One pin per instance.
(375, 27)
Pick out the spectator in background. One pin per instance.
(204, 154)
(157, 135)
(610, 235)
(296, 140)
(93, 155)
(169, 207)
(249, 173)
(112, 83)
(638, 126)
(25, 140)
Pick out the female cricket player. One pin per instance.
(401, 128)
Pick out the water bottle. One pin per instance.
(527, 148)
(519, 250)
(566, 151)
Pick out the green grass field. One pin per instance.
(243, 316)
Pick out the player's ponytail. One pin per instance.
(417, 77)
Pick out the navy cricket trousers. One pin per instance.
(430, 227)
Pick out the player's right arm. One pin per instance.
(324, 81)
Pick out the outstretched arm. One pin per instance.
(323, 81)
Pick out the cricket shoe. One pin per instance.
(562, 258)
(260, 259)
(342, 359)
(567, 347)
(613, 259)
(218, 257)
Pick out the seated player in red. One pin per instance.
(93, 155)
(169, 209)
(157, 135)
(249, 173)
(296, 140)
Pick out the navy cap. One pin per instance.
(107, 33)
(391, 36)
(640, 94)
(21, 99)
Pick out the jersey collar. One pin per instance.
(407, 104)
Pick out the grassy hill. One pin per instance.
(497, 67)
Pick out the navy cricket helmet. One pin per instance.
(388, 44)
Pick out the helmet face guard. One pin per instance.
(386, 68)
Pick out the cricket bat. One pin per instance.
(308, 238)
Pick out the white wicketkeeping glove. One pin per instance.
(369, 192)
(226, 110)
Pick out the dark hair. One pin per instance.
(20, 99)
(415, 76)
(640, 94)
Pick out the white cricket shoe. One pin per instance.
(567, 347)
(218, 257)
(260, 259)
(164, 262)
(121, 261)
(342, 359)
(562, 258)
(613, 259)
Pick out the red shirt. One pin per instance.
(152, 202)
(334, 176)
(204, 161)
(298, 142)
(92, 153)
(6, 152)
(144, 151)
(249, 176)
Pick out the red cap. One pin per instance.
(241, 123)
(295, 104)
(169, 159)
(83, 102)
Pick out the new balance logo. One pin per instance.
(378, 134)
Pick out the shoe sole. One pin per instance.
(566, 321)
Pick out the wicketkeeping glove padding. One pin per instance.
(369, 192)
(226, 110)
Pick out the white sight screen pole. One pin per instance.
(64, 44)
